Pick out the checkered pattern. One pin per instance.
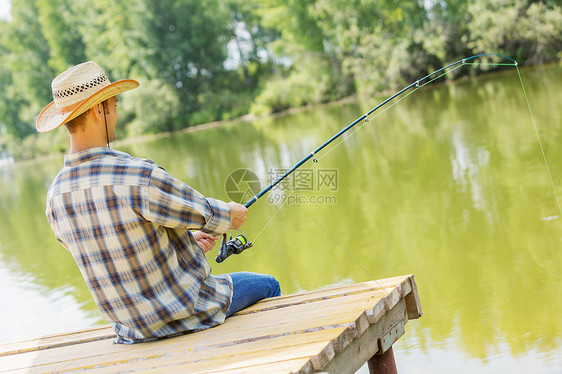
(126, 222)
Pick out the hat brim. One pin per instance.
(50, 117)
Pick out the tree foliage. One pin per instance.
(200, 61)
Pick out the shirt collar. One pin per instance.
(91, 154)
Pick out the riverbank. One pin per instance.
(187, 130)
(252, 117)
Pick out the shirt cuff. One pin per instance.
(219, 221)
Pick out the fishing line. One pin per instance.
(367, 119)
(324, 229)
(540, 142)
(349, 254)
(371, 93)
(361, 118)
(228, 249)
(344, 139)
(385, 83)
(284, 201)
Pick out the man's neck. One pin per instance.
(93, 134)
(78, 144)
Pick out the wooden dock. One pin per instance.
(335, 330)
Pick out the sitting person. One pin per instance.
(137, 234)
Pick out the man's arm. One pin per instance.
(172, 203)
(237, 218)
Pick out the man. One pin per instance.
(127, 223)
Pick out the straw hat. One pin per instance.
(77, 90)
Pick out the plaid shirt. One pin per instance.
(126, 222)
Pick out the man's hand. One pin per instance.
(237, 215)
(205, 241)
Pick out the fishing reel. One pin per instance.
(232, 246)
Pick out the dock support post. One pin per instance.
(383, 364)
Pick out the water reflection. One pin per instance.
(29, 309)
(450, 185)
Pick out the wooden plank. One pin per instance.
(239, 360)
(392, 298)
(330, 291)
(366, 346)
(238, 329)
(106, 332)
(311, 296)
(162, 355)
(321, 309)
(305, 299)
(57, 340)
(92, 358)
(150, 351)
(398, 313)
(298, 366)
(326, 313)
(235, 331)
(374, 314)
(413, 300)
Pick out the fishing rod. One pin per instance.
(238, 244)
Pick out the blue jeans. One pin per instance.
(249, 288)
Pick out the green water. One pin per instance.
(449, 184)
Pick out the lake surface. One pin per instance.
(449, 184)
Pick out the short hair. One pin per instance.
(79, 123)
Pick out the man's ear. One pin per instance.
(98, 111)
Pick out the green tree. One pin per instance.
(183, 43)
(59, 25)
(24, 76)
(200, 61)
(379, 42)
(309, 70)
(528, 31)
(247, 35)
(111, 35)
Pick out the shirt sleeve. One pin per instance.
(172, 203)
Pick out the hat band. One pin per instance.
(69, 108)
